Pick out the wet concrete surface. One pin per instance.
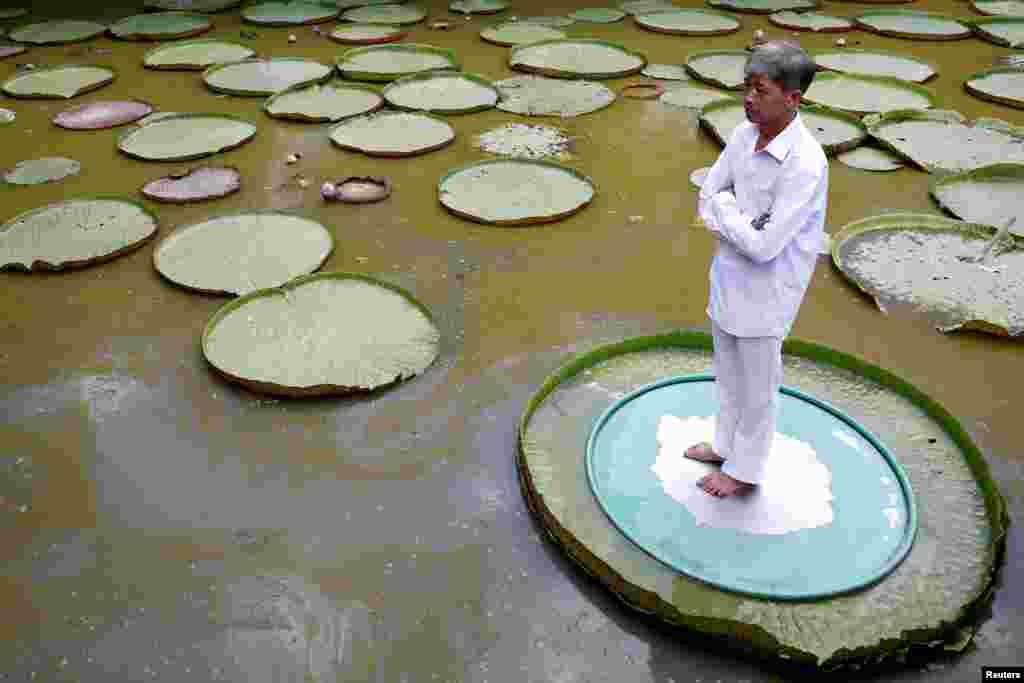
(159, 523)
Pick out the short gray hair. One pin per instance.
(783, 62)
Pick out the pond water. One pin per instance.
(160, 523)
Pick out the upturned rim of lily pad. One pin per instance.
(245, 92)
(36, 96)
(820, 110)
(275, 389)
(97, 30)
(1016, 102)
(561, 73)
(891, 81)
(845, 24)
(751, 6)
(491, 35)
(166, 199)
(861, 22)
(419, 14)
(174, 117)
(701, 54)
(642, 91)
(202, 25)
(885, 53)
(478, 79)
(59, 118)
(352, 120)
(981, 29)
(360, 75)
(598, 15)
(979, 5)
(997, 171)
(41, 265)
(494, 7)
(326, 14)
(181, 66)
(338, 85)
(391, 36)
(647, 22)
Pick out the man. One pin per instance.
(765, 200)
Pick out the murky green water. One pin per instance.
(158, 523)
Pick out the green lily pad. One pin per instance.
(1004, 8)
(204, 6)
(393, 134)
(551, 22)
(366, 34)
(241, 252)
(811, 21)
(288, 13)
(647, 6)
(943, 141)
(598, 15)
(689, 22)
(57, 32)
(388, 62)
(262, 77)
(514, 191)
(195, 55)
(859, 94)
(948, 574)
(694, 96)
(875, 63)
(1004, 85)
(74, 233)
(835, 131)
(931, 263)
(328, 102)
(577, 58)
(58, 82)
(161, 26)
(668, 72)
(39, 171)
(990, 194)
(764, 6)
(322, 334)
(1006, 31)
(911, 24)
(540, 96)
(11, 49)
(867, 158)
(182, 137)
(12, 12)
(479, 6)
(442, 92)
(519, 33)
(407, 13)
(720, 68)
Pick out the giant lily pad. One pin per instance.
(549, 21)
(540, 96)
(689, 22)
(206, 6)
(835, 131)
(764, 6)
(327, 102)
(875, 63)
(194, 185)
(261, 77)
(942, 141)
(514, 191)
(934, 264)
(186, 136)
(58, 82)
(1004, 8)
(598, 15)
(912, 24)
(667, 72)
(74, 233)
(102, 114)
(693, 96)
(328, 333)
(57, 32)
(45, 170)
(406, 13)
(1007, 31)
(288, 13)
(811, 21)
(990, 194)
(161, 26)
(393, 134)
(647, 6)
(577, 58)
(868, 158)
(947, 576)
(195, 55)
(442, 92)
(239, 253)
(519, 33)
(479, 6)
(366, 34)
(388, 62)
(1004, 85)
(720, 68)
(859, 94)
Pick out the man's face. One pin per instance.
(765, 102)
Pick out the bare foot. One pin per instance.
(721, 485)
(704, 453)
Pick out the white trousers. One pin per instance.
(748, 372)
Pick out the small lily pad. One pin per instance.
(913, 24)
(694, 96)
(194, 185)
(811, 21)
(74, 233)
(57, 32)
(393, 134)
(990, 194)
(868, 158)
(288, 13)
(102, 114)
(321, 334)
(327, 102)
(834, 130)
(238, 253)
(764, 6)
(479, 6)
(540, 96)
(859, 94)
(263, 77)
(161, 26)
(875, 63)
(598, 15)
(1004, 8)
(58, 82)
(1005, 85)
(577, 58)
(720, 68)
(668, 72)
(195, 55)
(519, 33)
(10, 49)
(406, 13)
(442, 92)
(183, 137)
(1006, 31)
(388, 62)
(366, 34)
(689, 22)
(39, 171)
(514, 191)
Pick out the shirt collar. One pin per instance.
(782, 144)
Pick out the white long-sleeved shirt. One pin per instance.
(759, 277)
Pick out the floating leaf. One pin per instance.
(669, 72)
(327, 102)
(519, 33)
(871, 159)
(540, 96)
(238, 253)
(514, 191)
(328, 333)
(689, 22)
(551, 22)
(646, 6)
(721, 68)
(58, 82)
(186, 136)
(57, 32)
(1006, 31)
(45, 170)
(693, 96)
(207, 6)
(388, 62)
(764, 6)
(102, 114)
(366, 34)
(835, 131)
(442, 92)
(393, 134)
(195, 55)
(911, 24)
(407, 13)
(197, 184)
(262, 77)
(1005, 85)
(74, 233)
(860, 94)
(875, 63)
(288, 13)
(161, 26)
(479, 6)
(577, 58)
(1005, 8)
(811, 21)
(990, 194)
(598, 15)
